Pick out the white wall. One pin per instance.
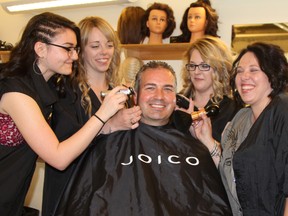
(230, 12)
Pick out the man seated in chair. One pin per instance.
(151, 170)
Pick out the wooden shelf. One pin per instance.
(174, 51)
(4, 56)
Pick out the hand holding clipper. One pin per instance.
(129, 92)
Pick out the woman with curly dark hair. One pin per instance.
(199, 19)
(158, 23)
(254, 159)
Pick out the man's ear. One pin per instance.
(40, 49)
(175, 103)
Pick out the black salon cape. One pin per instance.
(101, 185)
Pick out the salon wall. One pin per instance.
(230, 12)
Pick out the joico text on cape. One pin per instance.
(172, 159)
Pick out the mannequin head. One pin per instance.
(204, 19)
(163, 15)
(196, 20)
(129, 25)
(157, 22)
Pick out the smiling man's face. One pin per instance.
(157, 96)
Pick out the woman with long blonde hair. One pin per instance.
(206, 80)
(99, 60)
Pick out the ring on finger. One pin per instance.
(195, 123)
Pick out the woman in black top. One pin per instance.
(253, 164)
(99, 62)
(49, 45)
(206, 82)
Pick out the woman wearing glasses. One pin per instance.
(48, 46)
(206, 81)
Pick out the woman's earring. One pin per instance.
(35, 67)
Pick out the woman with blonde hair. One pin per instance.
(206, 80)
(99, 60)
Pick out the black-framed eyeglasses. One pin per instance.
(69, 50)
(202, 67)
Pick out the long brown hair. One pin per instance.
(42, 27)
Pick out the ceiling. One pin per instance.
(276, 33)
